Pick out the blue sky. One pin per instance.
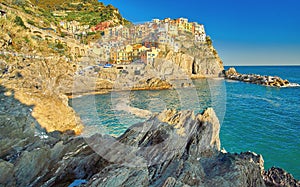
(244, 32)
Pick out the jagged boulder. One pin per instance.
(278, 177)
(231, 71)
(177, 149)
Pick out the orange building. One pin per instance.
(102, 26)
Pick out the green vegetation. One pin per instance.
(19, 2)
(92, 18)
(67, 4)
(26, 39)
(87, 12)
(19, 21)
(31, 22)
(208, 40)
(91, 33)
(59, 46)
(63, 34)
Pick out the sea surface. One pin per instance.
(253, 118)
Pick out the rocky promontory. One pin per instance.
(272, 81)
(173, 148)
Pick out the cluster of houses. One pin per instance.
(134, 53)
(75, 28)
(126, 44)
(123, 45)
(167, 27)
(117, 53)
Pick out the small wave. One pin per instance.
(133, 110)
(271, 101)
(235, 81)
(291, 85)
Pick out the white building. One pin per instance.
(199, 28)
(155, 21)
(200, 37)
(173, 30)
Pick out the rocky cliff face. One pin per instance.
(35, 74)
(170, 149)
(39, 83)
(197, 60)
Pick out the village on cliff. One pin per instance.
(124, 45)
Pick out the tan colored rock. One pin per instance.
(210, 120)
(196, 64)
(41, 84)
(51, 112)
(231, 71)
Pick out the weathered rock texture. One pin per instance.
(41, 84)
(170, 149)
(279, 177)
(197, 61)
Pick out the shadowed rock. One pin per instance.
(279, 177)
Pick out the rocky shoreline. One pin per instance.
(272, 81)
(169, 149)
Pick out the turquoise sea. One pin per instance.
(260, 119)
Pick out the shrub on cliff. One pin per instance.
(19, 21)
(208, 40)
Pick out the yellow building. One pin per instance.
(188, 27)
(152, 54)
(181, 23)
(121, 56)
(113, 56)
(128, 48)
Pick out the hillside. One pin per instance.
(89, 12)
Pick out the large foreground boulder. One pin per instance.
(177, 149)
